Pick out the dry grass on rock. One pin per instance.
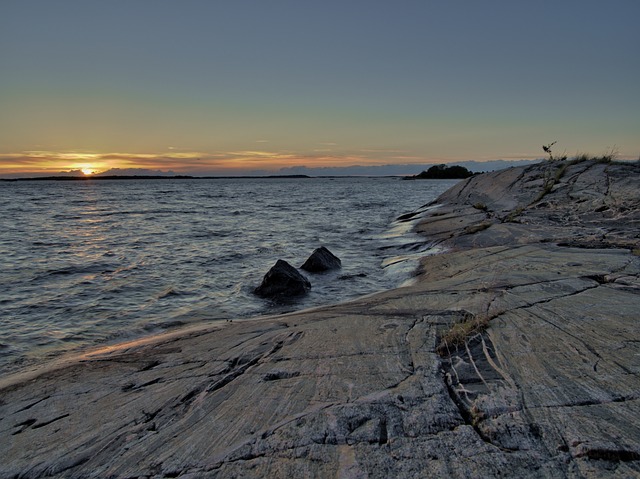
(461, 332)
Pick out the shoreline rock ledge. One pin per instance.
(515, 354)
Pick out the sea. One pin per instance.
(94, 262)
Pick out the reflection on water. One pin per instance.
(97, 261)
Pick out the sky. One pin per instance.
(235, 86)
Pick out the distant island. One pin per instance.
(442, 172)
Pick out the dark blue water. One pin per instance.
(83, 263)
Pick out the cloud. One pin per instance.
(135, 172)
(321, 161)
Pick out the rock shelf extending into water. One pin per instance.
(543, 258)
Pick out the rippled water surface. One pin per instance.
(88, 262)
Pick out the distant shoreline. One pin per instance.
(187, 177)
(147, 177)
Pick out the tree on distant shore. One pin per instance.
(443, 172)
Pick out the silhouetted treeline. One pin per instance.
(442, 172)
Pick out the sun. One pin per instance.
(85, 163)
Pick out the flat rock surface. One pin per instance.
(550, 389)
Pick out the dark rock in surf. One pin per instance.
(321, 260)
(282, 281)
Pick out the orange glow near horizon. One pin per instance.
(52, 163)
(197, 162)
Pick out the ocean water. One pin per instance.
(93, 262)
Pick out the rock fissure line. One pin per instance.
(590, 402)
(501, 371)
(29, 406)
(234, 374)
(469, 420)
(336, 356)
(556, 298)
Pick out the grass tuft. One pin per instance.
(476, 228)
(513, 214)
(461, 332)
(607, 157)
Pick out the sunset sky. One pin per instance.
(230, 86)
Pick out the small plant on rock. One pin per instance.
(461, 332)
(608, 156)
(547, 150)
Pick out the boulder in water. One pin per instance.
(321, 260)
(282, 281)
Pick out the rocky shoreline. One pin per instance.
(541, 278)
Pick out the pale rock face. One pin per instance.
(550, 389)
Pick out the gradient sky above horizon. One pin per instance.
(229, 86)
